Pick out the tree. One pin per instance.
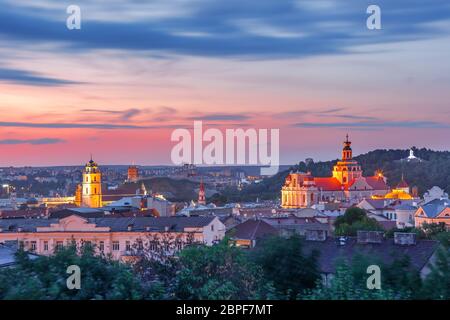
(45, 277)
(222, 271)
(345, 286)
(437, 283)
(285, 266)
(355, 219)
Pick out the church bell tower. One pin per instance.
(92, 185)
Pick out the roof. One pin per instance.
(434, 207)
(7, 254)
(116, 224)
(331, 252)
(377, 183)
(328, 184)
(252, 229)
(402, 184)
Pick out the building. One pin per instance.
(115, 236)
(401, 192)
(247, 234)
(201, 194)
(92, 186)
(435, 211)
(8, 252)
(347, 184)
(133, 173)
(371, 244)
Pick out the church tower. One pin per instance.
(201, 194)
(92, 185)
(347, 170)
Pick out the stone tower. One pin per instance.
(92, 186)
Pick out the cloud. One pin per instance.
(220, 117)
(30, 78)
(374, 124)
(124, 115)
(32, 141)
(272, 28)
(106, 126)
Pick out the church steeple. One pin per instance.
(201, 194)
(347, 150)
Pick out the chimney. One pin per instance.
(130, 227)
(316, 235)
(404, 238)
(369, 236)
(166, 228)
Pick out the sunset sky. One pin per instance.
(137, 70)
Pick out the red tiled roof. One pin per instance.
(403, 184)
(328, 184)
(377, 183)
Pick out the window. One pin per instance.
(45, 245)
(59, 245)
(153, 245)
(140, 245)
(179, 245)
(128, 246)
(115, 246)
(212, 227)
(33, 245)
(102, 246)
(21, 245)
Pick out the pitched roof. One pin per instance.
(328, 184)
(252, 229)
(176, 224)
(433, 208)
(377, 183)
(330, 252)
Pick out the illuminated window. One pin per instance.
(115, 246)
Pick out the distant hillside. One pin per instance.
(172, 189)
(435, 171)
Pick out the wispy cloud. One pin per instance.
(30, 78)
(220, 117)
(289, 29)
(374, 124)
(32, 141)
(105, 126)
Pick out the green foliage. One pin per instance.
(437, 284)
(218, 272)
(353, 220)
(285, 266)
(345, 286)
(45, 277)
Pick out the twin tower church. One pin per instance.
(347, 184)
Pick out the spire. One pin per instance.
(347, 150)
(201, 193)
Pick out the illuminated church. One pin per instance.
(347, 184)
(89, 193)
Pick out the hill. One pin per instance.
(434, 171)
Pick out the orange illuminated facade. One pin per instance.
(92, 186)
(133, 173)
(347, 183)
